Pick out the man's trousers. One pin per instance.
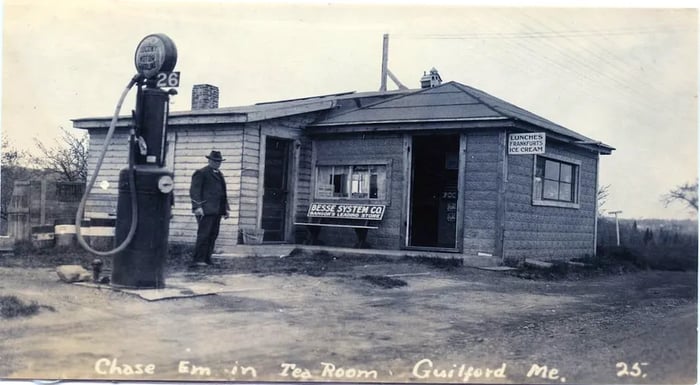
(207, 232)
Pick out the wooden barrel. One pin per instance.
(43, 236)
(101, 233)
(64, 230)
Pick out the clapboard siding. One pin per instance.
(549, 233)
(369, 150)
(481, 191)
(104, 202)
(191, 146)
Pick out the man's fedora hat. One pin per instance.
(215, 156)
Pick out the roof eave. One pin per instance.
(578, 140)
(600, 147)
(399, 121)
(384, 125)
(401, 125)
(173, 120)
(214, 116)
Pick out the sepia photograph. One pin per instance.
(400, 192)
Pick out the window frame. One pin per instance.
(576, 182)
(386, 163)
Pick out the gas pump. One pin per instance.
(145, 185)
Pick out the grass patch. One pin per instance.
(384, 282)
(612, 260)
(436, 262)
(624, 258)
(558, 270)
(315, 263)
(179, 254)
(26, 256)
(299, 261)
(13, 307)
(321, 256)
(621, 262)
(657, 258)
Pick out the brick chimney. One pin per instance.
(430, 80)
(205, 96)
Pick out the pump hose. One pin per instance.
(88, 188)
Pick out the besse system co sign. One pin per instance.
(354, 211)
(527, 143)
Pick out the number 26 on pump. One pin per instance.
(168, 79)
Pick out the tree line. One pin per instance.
(655, 243)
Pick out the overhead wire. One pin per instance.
(582, 75)
(526, 54)
(577, 59)
(565, 59)
(601, 54)
(543, 34)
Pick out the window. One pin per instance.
(555, 181)
(353, 182)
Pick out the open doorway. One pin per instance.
(434, 181)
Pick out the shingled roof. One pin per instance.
(251, 113)
(449, 102)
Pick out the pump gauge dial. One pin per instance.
(155, 53)
(165, 184)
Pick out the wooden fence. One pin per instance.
(41, 202)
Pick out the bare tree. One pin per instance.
(686, 194)
(67, 158)
(11, 156)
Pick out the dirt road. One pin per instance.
(462, 325)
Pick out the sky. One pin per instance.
(625, 76)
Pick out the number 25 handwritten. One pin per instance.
(635, 371)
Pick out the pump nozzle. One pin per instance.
(143, 147)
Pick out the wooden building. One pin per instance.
(433, 164)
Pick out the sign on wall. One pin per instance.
(341, 210)
(527, 143)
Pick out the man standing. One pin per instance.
(209, 204)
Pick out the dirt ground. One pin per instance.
(359, 320)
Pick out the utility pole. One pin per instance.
(386, 72)
(617, 224)
(385, 61)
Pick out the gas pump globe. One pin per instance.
(155, 54)
(141, 263)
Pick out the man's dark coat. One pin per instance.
(208, 191)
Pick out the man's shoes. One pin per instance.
(212, 263)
